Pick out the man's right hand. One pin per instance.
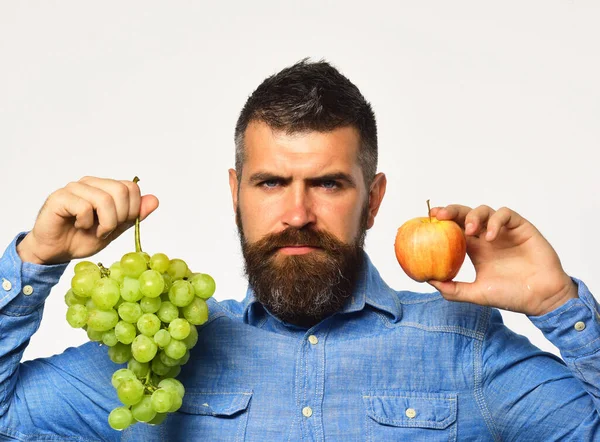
(82, 218)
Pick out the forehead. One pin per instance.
(272, 148)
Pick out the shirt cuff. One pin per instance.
(574, 327)
(24, 286)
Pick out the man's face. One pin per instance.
(302, 210)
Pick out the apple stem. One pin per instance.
(429, 210)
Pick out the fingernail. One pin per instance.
(469, 227)
(489, 235)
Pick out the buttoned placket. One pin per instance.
(311, 384)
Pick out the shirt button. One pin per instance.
(27, 290)
(313, 339)
(6, 285)
(410, 413)
(579, 325)
(307, 411)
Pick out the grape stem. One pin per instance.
(138, 244)
(104, 272)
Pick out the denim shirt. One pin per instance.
(391, 365)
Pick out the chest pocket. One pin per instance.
(209, 415)
(409, 415)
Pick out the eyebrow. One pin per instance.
(259, 177)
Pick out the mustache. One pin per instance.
(298, 237)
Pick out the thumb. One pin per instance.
(458, 291)
(148, 204)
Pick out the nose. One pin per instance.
(298, 211)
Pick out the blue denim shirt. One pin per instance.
(389, 366)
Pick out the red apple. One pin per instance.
(427, 248)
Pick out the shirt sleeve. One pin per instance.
(66, 396)
(574, 328)
(528, 394)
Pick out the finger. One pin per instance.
(103, 204)
(477, 219)
(149, 204)
(135, 197)
(459, 291)
(119, 192)
(504, 217)
(67, 205)
(454, 212)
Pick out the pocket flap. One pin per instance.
(410, 408)
(212, 403)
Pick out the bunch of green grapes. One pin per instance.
(145, 310)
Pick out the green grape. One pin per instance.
(177, 402)
(175, 349)
(148, 324)
(89, 304)
(118, 304)
(82, 283)
(167, 312)
(179, 328)
(172, 384)
(177, 269)
(162, 400)
(192, 338)
(116, 272)
(150, 305)
(133, 264)
(139, 368)
(146, 257)
(71, 298)
(109, 338)
(204, 285)
(159, 367)
(130, 312)
(181, 293)
(86, 266)
(159, 262)
(162, 338)
(173, 372)
(196, 312)
(121, 375)
(94, 335)
(102, 320)
(143, 348)
(130, 391)
(158, 419)
(169, 362)
(151, 283)
(130, 289)
(105, 293)
(168, 283)
(77, 315)
(125, 332)
(185, 358)
(120, 418)
(119, 353)
(142, 411)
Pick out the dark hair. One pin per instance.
(310, 96)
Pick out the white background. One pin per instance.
(477, 103)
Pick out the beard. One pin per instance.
(303, 289)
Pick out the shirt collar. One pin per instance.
(370, 290)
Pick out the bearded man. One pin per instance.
(320, 348)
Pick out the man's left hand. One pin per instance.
(516, 267)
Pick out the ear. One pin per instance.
(376, 194)
(233, 185)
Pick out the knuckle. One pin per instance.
(105, 199)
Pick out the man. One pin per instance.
(321, 348)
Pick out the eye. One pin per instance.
(330, 184)
(270, 183)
